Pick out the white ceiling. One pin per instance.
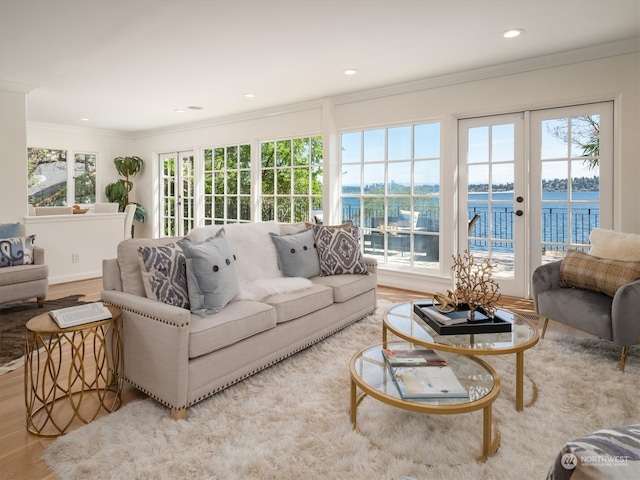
(128, 65)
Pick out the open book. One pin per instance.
(72, 316)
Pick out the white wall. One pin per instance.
(75, 245)
(13, 156)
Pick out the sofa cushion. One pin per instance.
(346, 287)
(129, 264)
(290, 306)
(17, 251)
(23, 273)
(339, 250)
(164, 274)
(237, 321)
(581, 270)
(211, 274)
(297, 254)
(8, 230)
(614, 245)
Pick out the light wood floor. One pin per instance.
(20, 452)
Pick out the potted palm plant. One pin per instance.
(119, 191)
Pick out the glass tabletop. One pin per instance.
(402, 320)
(475, 375)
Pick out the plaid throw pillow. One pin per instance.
(581, 270)
(339, 250)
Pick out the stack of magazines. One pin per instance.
(80, 314)
(420, 374)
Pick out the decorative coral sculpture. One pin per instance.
(475, 285)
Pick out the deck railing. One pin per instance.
(556, 225)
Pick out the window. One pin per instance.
(48, 178)
(84, 178)
(227, 184)
(391, 189)
(291, 179)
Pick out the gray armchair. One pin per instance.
(24, 282)
(615, 319)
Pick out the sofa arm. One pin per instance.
(624, 314)
(372, 264)
(156, 346)
(111, 279)
(38, 256)
(545, 277)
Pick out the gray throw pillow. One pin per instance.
(297, 254)
(9, 230)
(339, 250)
(164, 274)
(211, 273)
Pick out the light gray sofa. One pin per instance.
(24, 282)
(180, 358)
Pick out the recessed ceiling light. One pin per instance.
(195, 107)
(179, 110)
(249, 95)
(350, 71)
(84, 119)
(513, 33)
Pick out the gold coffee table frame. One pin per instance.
(59, 386)
(403, 322)
(371, 375)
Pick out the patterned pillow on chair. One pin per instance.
(339, 250)
(17, 251)
(164, 274)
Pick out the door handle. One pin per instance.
(519, 213)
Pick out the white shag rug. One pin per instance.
(291, 421)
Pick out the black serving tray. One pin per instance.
(494, 325)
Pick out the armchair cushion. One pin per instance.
(17, 251)
(581, 270)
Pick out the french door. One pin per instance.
(177, 197)
(532, 185)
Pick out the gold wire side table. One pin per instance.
(67, 384)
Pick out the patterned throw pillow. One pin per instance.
(339, 250)
(581, 270)
(211, 273)
(297, 254)
(17, 251)
(164, 274)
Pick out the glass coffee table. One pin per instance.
(370, 374)
(404, 323)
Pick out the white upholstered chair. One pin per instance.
(129, 213)
(106, 207)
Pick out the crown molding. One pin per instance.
(15, 87)
(83, 130)
(240, 117)
(623, 47)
